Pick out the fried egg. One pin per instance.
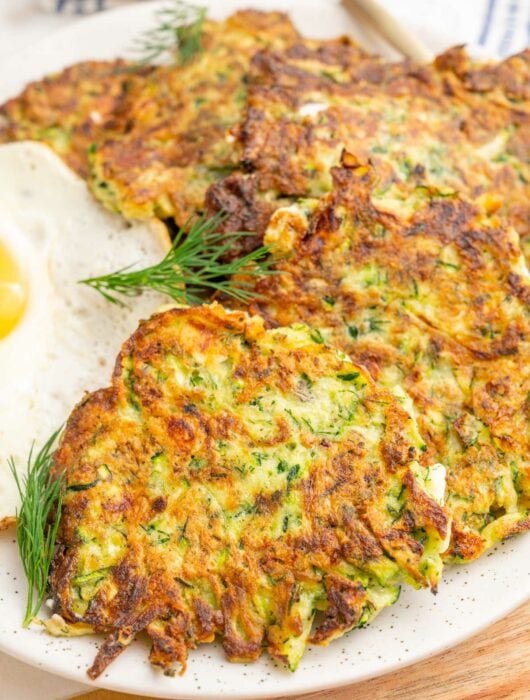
(56, 335)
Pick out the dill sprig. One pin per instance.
(193, 267)
(178, 32)
(37, 522)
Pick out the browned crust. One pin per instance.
(71, 110)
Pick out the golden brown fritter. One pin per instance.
(451, 125)
(70, 110)
(429, 294)
(176, 136)
(232, 481)
(156, 136)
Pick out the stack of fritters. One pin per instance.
(237, 481)
(234, 481)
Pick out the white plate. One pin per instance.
(419, 625)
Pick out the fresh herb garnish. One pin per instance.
(193, 266)
(178, 32)
(37, 522)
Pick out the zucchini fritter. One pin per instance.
(70, 110)
(234, 481)
(156, 136)
(429, 294)
(450, 125)
(176, 135)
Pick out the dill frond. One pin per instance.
(37, 522)
(178, 32)
(193, 267)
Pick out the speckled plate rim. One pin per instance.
(417, 627)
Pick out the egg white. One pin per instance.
(68, 338)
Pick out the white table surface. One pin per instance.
(490, 26)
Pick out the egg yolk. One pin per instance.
(13, 292)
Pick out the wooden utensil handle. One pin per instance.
(391, 30)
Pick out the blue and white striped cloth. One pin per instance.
(505, 26)
(490, 28)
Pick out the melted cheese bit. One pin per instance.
(310, 109)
